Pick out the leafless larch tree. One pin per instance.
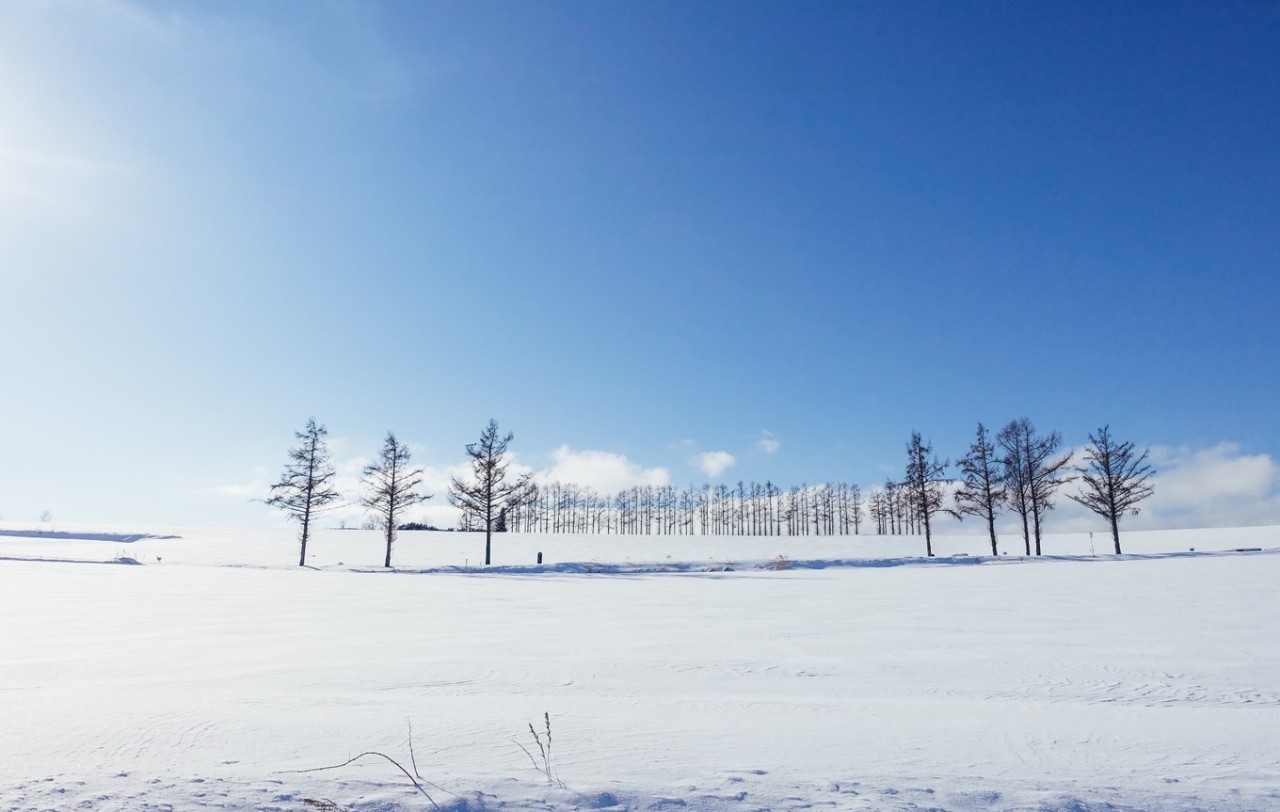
(924, 481)
(982, 488)
(490, 494)
(391, 485)
(1032, 474)
(306, 486)
(1115, 478)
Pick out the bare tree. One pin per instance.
(306, 486)
(855, 500)
(924, 484)
(1017, 486)
(391, 486)
(1032, 472)
(875, 507)
(982, 491)
(1115, 480)
(489, 491)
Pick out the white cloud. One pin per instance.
(257, 489)
(768, 442)
(714, 463)
(1215, 474)
(604, 471)
(1212, 487)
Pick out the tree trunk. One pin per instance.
(306, 522)
(306, 512)
(391, 528)
(1035, 523)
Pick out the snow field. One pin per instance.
(858, 679)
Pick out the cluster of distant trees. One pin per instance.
(748, 509)
(1017, 470)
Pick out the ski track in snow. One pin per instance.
(680, 673)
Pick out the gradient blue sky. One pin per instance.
(634, 233)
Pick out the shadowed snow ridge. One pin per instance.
(121, 538)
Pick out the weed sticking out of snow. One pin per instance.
(544, 751)
(415, 778)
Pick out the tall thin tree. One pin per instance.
(1036, 473)
(391, 486)
(982, 491)
(924, 484)
(1017, 485)
(306, 486)
(1116, 479)
(489, 489)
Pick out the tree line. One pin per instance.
(1021, 470)
(1018, 470)
(747, 509)
(391, 485)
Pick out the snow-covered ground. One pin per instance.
(677, 672)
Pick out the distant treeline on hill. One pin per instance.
(748, 509)
(1018, 469)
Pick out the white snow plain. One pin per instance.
(678, 672)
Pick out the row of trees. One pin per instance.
(1021, 470)
(392, 485)
(749, 509)
(1018, 469)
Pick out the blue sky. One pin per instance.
(780, 234)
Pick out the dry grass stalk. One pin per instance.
(388, 758)
(415, 778)
(543, 750)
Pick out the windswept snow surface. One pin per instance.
(678, 672)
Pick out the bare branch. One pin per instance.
(397, 764)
